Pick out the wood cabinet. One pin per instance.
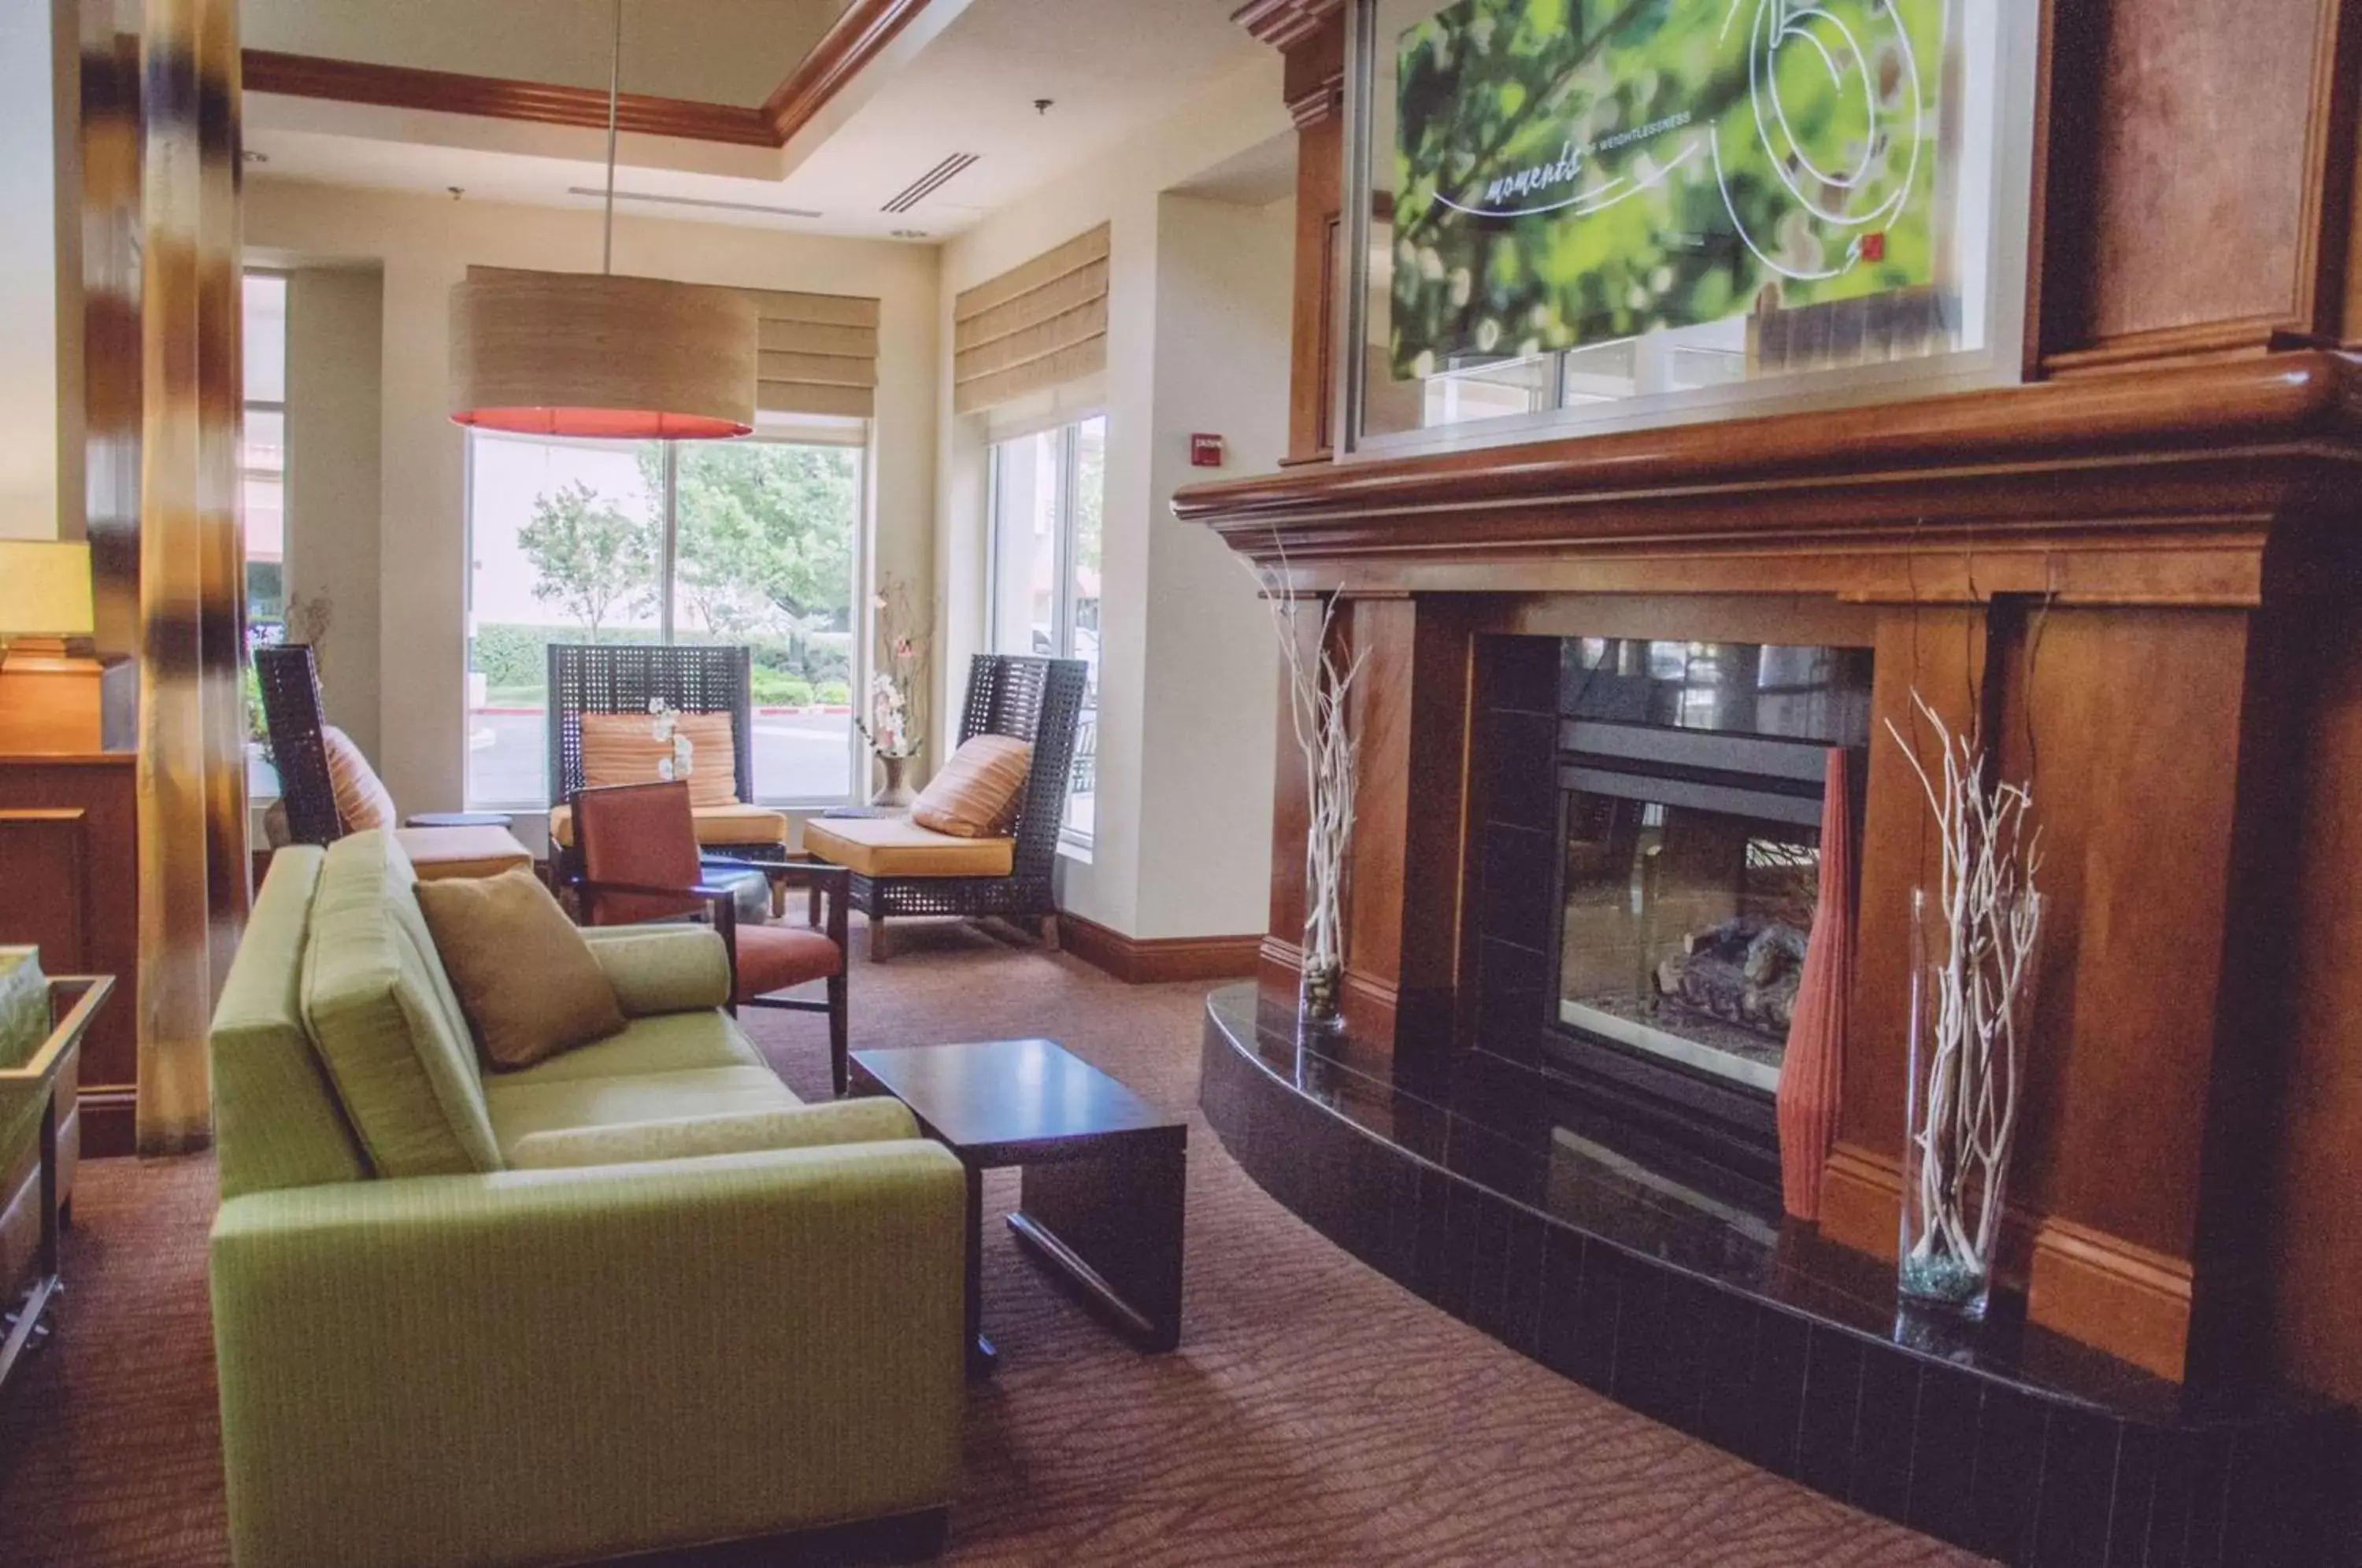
(69, 885)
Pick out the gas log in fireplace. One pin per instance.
(1682, 858)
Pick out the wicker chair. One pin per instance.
(1035, 700)
(624, 678)
(289, 680)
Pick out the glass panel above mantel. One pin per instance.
(1588, 215)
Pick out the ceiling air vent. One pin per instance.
(927, 184)
(694, 201)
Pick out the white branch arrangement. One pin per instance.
(1318, 687)
(1980, 971)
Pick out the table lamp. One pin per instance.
(50, 695)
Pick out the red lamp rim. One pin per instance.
(603, 423)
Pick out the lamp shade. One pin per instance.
(44, 588)
(590, 354)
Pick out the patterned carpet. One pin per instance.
(1314, 1413)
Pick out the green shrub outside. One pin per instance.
(788, 671)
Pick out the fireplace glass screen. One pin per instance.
(1692, 777)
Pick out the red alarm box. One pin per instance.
(1204, 451)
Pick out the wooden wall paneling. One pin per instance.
(1315, 86)
(1291, 816)
(1436, 759)
(68, 884)
(2186, 119)
(2315, 1233)
(1937, 651)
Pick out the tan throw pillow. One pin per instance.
(361, 800)
(975, 794)
(624, 748)
(525, 978)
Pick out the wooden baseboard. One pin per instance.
(2085, 1284)
(2106, 1291)
(1143, 961)
(110, 1123)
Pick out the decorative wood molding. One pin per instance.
(1143, 961)
(110, 1127)
(2198, 457)
(2217, 339)
(2102, 1289)
(1283, 24)
(499, 98)
(858, 36)
(1323, 101)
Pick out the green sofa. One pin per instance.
(636, 1298)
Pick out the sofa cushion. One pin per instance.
(625, 749)
(668, 1043)
(437, 854)
(975, 794)
(521, 1110)
(716, 825)
(875, 1120)
(527, 980)
(895, 847)
(276, 1120)
(382, 1014)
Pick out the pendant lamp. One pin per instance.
(593, 353)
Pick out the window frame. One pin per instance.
(1067, 424)
(857, 435)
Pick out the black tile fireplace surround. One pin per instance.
(1485, 1190)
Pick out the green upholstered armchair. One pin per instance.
(633, 1300)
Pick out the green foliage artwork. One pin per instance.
(1569, 171)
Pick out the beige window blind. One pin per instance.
(816, 354)
(1033, 328)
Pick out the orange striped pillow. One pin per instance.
(622, 748)
(975, 794)
(362, 802)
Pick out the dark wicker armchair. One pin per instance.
(624, 678)
(1038, 701)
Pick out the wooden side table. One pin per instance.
(74, 1001)
(1102, 1200)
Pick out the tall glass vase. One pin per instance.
(1320, 996)
(1972, 994)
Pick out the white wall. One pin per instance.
(335, 413)
(1186, 723)
(40, 263)
(421, 248)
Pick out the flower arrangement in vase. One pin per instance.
(1974, 949)
(1319, 688)
(894, 724)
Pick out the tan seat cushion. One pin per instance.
(622, 748)
(895, 847)
(975, 794)
(735, 823)
(362, 802)
(439, 854)
(525, 978)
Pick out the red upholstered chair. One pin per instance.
(640, 862)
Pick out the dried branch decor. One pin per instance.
(1320, 687)
(1972, 973)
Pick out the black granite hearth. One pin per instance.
(1677, 1290)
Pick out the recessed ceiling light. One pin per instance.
(910, 234)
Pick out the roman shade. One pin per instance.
(814, 353)
(1033, 328)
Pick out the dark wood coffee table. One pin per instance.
(1102, 1194)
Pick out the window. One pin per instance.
(755, 542)
(1049, 493)
(262, 481)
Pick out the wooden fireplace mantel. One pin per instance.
(2142, 586)
(2187, 466)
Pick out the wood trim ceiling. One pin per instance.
(856, 38)
(1284, 24)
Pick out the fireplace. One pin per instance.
(1683, 843)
